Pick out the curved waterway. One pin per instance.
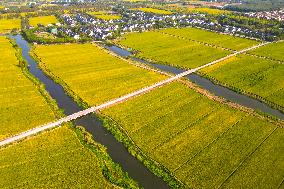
(205, 83)
(115, 149)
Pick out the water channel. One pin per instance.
(115, 149)
(208, 85)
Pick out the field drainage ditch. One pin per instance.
(205, 83)
(94, 125)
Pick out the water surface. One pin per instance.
(205, 83)
(115, 149)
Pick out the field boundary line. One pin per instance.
(200, 119)
(209, 144)
(281, 183)
(199, 42)
(134, 63)
(160, 116)
(248, 156)
(92, 109)
(264, 57)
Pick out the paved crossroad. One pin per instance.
(115, 101)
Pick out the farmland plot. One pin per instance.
(6, 25)
(213, 38)
(170, 50)
(93, 74)
(153, 10)
(108, 16)
(54, 159)
(208, 10)
(272, 51)
(44, 20)
(202, 142)
(104, 15)
(262, 77)
(22, 106)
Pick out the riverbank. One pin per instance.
(116, 150)
(236, 96)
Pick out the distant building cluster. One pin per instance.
(269, 15)
(71, 1)
(132, 21)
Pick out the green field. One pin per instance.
(92, 73)
(205, 144)
(153, 10)
(262, 77)
(54, 159)
(221, 40)
(22, 106)
(165, 49)
(44, 20)
(6, 25)
(273, 51)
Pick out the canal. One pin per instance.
(93, 125)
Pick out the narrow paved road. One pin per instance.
(115, 101)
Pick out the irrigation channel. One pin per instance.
(208, 85)
(93, 125)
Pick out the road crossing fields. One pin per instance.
(93, 74)
(186, 48)
(259, 77)
(166, 49)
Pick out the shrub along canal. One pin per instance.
(205, 83)
(93, 124)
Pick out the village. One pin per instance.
(139, 21)
(268, 15)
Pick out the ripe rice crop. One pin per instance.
(92, 73)
(44, 20)
(22, 105)
(262, 77)
(153, 10)
(208, 10)
(54, 159)
(165, 49)
(6, 25)
(271, 51)
(108, 16)
(104, 15)
(202, 142)
(212, 38)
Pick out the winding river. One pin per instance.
(216, 89)
(115, 149)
